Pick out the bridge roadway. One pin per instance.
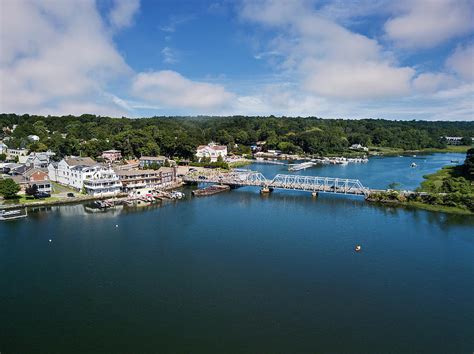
(311, 184)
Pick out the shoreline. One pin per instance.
(78, 199)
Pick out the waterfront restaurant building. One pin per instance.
(133, 180)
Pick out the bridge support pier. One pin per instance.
(265, 190)
(314, 194)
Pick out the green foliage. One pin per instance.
(31, 190)
(9, 188)
(89, 135)
(3, 157)
(153, 166)
(468, 167)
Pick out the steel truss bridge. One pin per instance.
(281, 181)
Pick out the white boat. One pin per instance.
(177, 195)
(13, 214)
(413, 165)
(301, 166)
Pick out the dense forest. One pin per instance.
(88, 135)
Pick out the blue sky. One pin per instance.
(408, 59)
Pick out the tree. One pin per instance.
(3, 157)
(9, 188)
(468, 166)
(466, 140)
(31, 190)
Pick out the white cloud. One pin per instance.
(462, 62)
(328, 59)
(433, 82)
(169, 88)
(123, 12)
(56, 55)
(427, 23)
(169, 55)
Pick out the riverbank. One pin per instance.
(387, 151)
(403, 202)
(446, 190)
(54, 201)
(78, 198)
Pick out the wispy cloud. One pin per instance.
(176, 21)
(169, 55)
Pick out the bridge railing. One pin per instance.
(284, 181)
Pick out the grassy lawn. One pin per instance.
(449, 148)
(395, 151)
(433, 182)
(24, 200)
(58, 188)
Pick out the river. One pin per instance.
(242, 272)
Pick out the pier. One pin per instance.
(310, 184)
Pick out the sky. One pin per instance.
(404, 60)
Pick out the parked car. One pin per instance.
(70, 195)
(192, 170)
(41, 195)
(202, 177)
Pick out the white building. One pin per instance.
(34, 138)
(12, 154)
(455, 140)
(358, 147)
(3, 148)
(39, 159)
(211, 151)
(83, 172)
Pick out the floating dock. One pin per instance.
(214, 189)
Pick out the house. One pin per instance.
(358, 147)
(34, 138)
(149, 160)
(112, 155)
(3, 148)
(40, 178)
(211, 151)
(62, 172)
(34, 176)
(83, 173)
(13, 154)
(39, 159)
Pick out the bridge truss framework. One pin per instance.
(312, 184)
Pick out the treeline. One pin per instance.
(88, 135)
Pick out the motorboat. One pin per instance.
(13, 214)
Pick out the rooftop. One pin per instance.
(153, 158)
(84, 161)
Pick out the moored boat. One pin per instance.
(13, 214)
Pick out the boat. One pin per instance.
(177, 195)
(301, 166)
(455, 161)
(413, 165)
(357, 248)
(13, 214)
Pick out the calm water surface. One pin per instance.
(240, 272)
